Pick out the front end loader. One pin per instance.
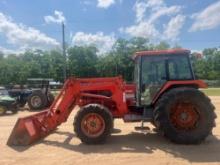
(165, 93)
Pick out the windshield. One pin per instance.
(170, 67)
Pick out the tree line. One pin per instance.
(86, 61)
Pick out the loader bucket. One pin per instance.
(29, 129)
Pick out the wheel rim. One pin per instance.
(184, 116)
(2, 110)
(36, 101)
(93, 125)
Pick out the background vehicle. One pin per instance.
(37, 93)
(20, 93)
(165, 93)
(41, 96)
(7, 103)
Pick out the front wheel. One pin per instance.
(93, 124)
(185, 115)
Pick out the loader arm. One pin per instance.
(29, 129)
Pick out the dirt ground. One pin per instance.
(125, 147)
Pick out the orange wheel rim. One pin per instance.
(93, 125)
(184, 116)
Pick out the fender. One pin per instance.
(172, 84)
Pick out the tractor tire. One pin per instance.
(93, 124)
(3, 110)
(50, 99)
(184, 115)
(37, 100)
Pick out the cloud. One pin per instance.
(103, 42)
(105, 3)
(148, 14)
(23, 36)
(209, 18)
(155, 3)
(172, 29)
(58, 17)
(6, 51)
(164, 11)
(140, 9)
(143, 29)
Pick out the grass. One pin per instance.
(212, 91)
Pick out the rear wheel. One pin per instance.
(3, 110)
(185, 115)
(93, 124)
(37, 100)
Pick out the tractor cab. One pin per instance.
(39, 83)
(153, 69)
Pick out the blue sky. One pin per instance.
(193, 24)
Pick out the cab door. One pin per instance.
(153, 76)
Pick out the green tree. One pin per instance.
(82, 61)
(208, 66)
(119, 60)
(162, 46)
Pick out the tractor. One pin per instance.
(40, 96)
(36, 94)
(164, 93)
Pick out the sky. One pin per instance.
(25, 24)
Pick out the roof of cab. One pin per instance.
(161, 52)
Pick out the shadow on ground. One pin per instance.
(141, 143)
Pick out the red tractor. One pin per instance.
(165, 93)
